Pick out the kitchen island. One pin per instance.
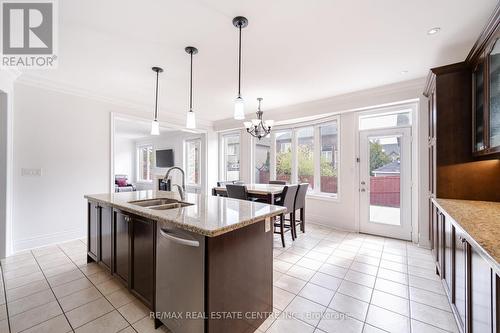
(201, 264)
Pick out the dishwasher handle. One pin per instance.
(183, 241)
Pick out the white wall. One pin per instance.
(7, 78)
(125, 157)
(3, 170)
(343, 212)
(68, 137)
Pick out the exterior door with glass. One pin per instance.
(385, 182)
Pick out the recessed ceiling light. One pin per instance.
(433, 31)
(404, 72)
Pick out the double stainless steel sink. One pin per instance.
(160, 204)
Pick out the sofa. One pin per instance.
(122, 184)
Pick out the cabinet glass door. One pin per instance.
(479, 108)
(494, 94)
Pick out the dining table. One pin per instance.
(267, 193)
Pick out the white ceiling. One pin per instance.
(293, 50)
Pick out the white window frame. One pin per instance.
(317, 154)
(222, 153)
(186, 155)
(138, 159)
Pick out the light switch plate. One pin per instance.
(31, 172)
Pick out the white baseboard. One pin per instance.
(325, 222)
(49, 239)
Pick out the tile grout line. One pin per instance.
(104, 296)
(50, 287)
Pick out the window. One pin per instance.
(231, 156)
(305, 155)
(262, 160)
(283, 143)
(328, 163)
(192, 150)
(385, 120)
(144, 163)
(308, 154)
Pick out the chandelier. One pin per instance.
(259, 128)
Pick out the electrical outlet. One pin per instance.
(31, 172)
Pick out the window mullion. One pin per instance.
(317, 160)
(295, 158)
(272, 158)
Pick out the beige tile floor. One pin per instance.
(325, 281)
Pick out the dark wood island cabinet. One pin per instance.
(210, 255)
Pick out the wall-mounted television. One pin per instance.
(165, 158)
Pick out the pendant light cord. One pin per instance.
(156, 100)
(191, 85)
(239, 65)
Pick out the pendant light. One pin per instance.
(239, 22)
(190, 118)
(155, 125)
(259, 128)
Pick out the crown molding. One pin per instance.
(385, 95)
(64, 88)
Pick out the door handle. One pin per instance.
(183, 241)
(363, 190)
(363, 182)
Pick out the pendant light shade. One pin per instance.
(239, 108)
(155, 125)
(239, 22)
(190, 118)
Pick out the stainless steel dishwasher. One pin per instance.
(180, 279)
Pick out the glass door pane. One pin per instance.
(283, 155)
(479, 107)
(494, 89)
(385, 180)
(262, 160)
(305, 155)
(232, 157)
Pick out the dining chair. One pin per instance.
(287, 201)
(300, 204)
(221, 183)
(277, 182)
(237, 191)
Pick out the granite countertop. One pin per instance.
(480, 220)
(209, 215)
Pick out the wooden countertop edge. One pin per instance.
(482, 251)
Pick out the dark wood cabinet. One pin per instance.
(106, 222)
(486, 94)
(143, 260)
(93, 215)
(122, 245)
(470, 282)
